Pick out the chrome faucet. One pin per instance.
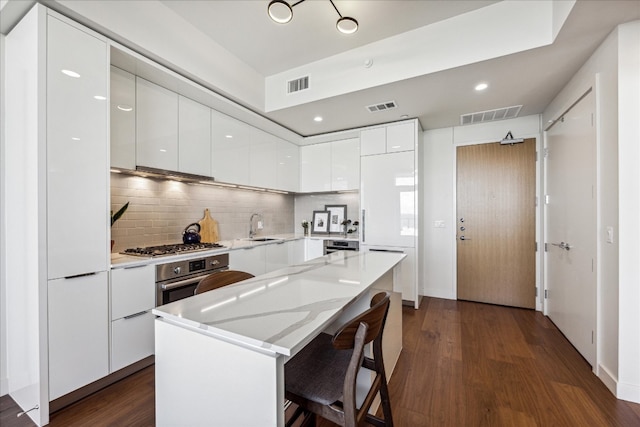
(253, 232)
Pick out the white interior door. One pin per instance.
(571, 226)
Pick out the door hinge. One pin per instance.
(546, 247)
(592, 337)
(536, 246)
(546, 199)
(536, 292)
(545, 152)
(546, 293)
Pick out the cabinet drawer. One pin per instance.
(132, 290)
(131, 340)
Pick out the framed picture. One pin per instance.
(320, 222)
(337, 214)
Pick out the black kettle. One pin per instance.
(191, 235)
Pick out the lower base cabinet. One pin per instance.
(133, 295)
(78, 332)
(314, 248)
(250, 260)
(131, 339)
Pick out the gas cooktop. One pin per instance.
(163, 250)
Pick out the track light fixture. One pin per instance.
(281, 12)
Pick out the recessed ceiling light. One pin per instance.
(228, 136)
(100, 97)
(481, 86)
(126, 108)
(71, 73)
(317, 119)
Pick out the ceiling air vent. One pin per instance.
(490, 115)
(298, 84)
(381, 107)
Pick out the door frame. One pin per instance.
(538, 212)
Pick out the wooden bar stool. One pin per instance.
(219, 279)
(321, 378)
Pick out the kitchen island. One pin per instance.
(220, 355)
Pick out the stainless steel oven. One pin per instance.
(340, 245)
(177, 280)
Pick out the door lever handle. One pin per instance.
(464, 238)
(562, 245)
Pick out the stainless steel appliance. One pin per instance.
(340, 245)
(164, 250)
(177, 280)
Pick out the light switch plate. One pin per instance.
(438, 224)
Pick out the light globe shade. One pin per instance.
(280, 11)
(347, 25)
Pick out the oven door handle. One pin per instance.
(185, 282)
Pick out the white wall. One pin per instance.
(615, 69)
(438, 197)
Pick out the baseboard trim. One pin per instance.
(629, 392)
(81, 393)
(608, 379)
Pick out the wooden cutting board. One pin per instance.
(208, 229)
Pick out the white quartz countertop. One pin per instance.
(122, 261)
(278, 312)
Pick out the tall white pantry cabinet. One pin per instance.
(57, 209)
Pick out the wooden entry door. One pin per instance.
(571, 226)
(496, 242)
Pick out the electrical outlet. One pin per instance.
(438, 224)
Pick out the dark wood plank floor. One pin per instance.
(463, 364)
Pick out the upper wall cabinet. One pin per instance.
(123, 119)
(262, 159)
(330, 166)
(388, 139)
(156, 126)
(345, 164)
(287, 166)
(231, 142)
(194, 137)
(77, 151)
(315, 168)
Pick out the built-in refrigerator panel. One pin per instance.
(387, 198)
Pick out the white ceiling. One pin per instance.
(530, 78)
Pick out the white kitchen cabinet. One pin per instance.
(231, 143)
(405, 278)
(77, 151)
(373, 141)
(123, 119)
(287, 166)
(133, 295)
(133, 290)
(262, 159)
(392, 138)
(315, 168)
(78, 332)
(401, 137)
(276, 256)
(313, 248)
(194, 137)
(251, 259)
(387, 200)
(296, 250)
(156, 126)
(345, 164)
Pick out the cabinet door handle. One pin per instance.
(81, 275)
(135, 266)
(131, 316)
(363, 228)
